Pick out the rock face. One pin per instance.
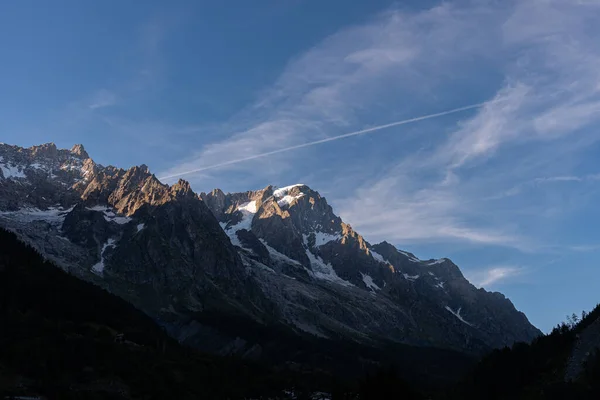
(278, 257)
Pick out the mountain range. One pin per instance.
(208, 266)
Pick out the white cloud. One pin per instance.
(492, 126)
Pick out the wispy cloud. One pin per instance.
(323, 91)
(442, 193)
(407, 211)
(537, 182)
(535, 63)
(490, 276)
(102, 98)
(322, 141)
(585, 247)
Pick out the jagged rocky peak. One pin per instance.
(182, 189)
(289, 218)
(235, 205)
(128, 190)
(64, 177)
(79, 151)
(47, 150)
(308, 210)
(215, 200)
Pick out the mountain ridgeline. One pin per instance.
(270, 275)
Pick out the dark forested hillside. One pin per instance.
(64, 338)
(538, 370)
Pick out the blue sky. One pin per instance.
(508, 190)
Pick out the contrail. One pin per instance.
(329, 139)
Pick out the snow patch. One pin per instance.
(369, 282)
(11, 172)
(39, 166)
(324, 271)
(410, 257)
(232, 233)
(378, 257)
(287, 200)
(67, 167)
(320, 269)
(284, 190)
(248, 210)
(98, 208)
(277, 256)
(98, 268)
(457, 314)
(52, 215)
(322, 238)
(109, 214)
(249, 207)
(435, 262)
(139, 227)
(411, 277)
(118, 220)
(440, 285)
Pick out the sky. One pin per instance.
(507, 188)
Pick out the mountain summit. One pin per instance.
(278, 258)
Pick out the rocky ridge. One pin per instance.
(273, 256)
(293, 232)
